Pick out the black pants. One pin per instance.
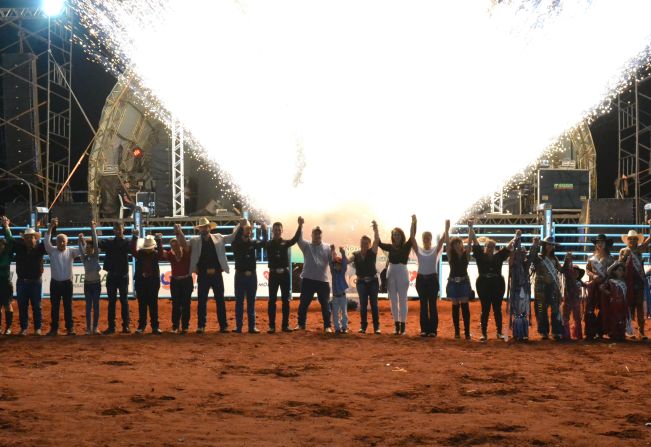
(308, 288)
(115, 284)
(181, 290)
(6, 296)
(61, 290)
(427, 287)
(491, 294)
(367, 292)
(147, 294)
(276, 281)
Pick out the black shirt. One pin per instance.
(244, 251)
(208, 258)
(458, 264)
(365, 265)
(398, 255)
(278, 251)
(29, 262)
(489, 264)
(116, 260)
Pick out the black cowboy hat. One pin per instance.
(549, 240)
(602, 237)
(579, 272)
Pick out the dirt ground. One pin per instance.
(309, 388)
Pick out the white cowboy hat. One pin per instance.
(633, 234)
(203, 222)
(149, 243)
(31, 232)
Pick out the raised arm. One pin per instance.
(82, 243)
(178, 231)
(376, 237)
(134, 242)
(228, 239)
(412, 229)
(297, 235)
(444, 238)
(9, 238)
(160, 252)
(344, 260)
(472, 238)
(302, 243)
(262, 242)
(646, 242)
(49, 248)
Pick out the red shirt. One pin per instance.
(182, 267)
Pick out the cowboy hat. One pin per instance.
(579, 272)
(633, 234)
(204, 222)
(31, 232)
(549, 240)
(602, 237)
(149, 243)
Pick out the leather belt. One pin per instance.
(282, 270)
(367, 278)
(490, 275)
(245, 272)
(458, 279)
(181, 277)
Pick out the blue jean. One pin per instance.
(368, 291)
(550, 299)
(204, 284)
(29, 292)
(279, 281)
(340, 312)
(245, 287)
(308, 288)
(92, 291)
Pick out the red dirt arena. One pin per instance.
(310, 388)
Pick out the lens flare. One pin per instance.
(345, 111)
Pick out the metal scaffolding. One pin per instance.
(178, 179)
(49, 42)
(634, 147)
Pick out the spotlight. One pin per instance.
(52, 8)
(137, 152)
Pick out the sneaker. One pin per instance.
(23, 333)
(328, 330)
(362, 331)
(432, 334)
(125, 330)
(109, 331)
(8, 331)
(96, 331)
(271, 330)
(344, 330)
(482, 338)
(200, 330)
(423, 334)
(175, 331)
(88, 332)
(254, 330)
(71, 333)
(500, 336)
(139, 331)
(37, 332)
(288, 329)
(299, 328)
(377, 331)
(156, 331)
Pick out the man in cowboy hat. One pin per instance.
(61, 259)
(147, 279)
(29, 270)
(636, 246)
(116, 263)
(208, 261)
(547, 288)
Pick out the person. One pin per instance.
(92, 279)
(597, 269)
(427, 280)
(367, 284)
(246, 277)
(116, 263)
(547, 290)
(314, 278)
(147, 279)
(614, 292)
(61, 259)
(397, 273)
(181, 282)
(279, 273)
(490, 283)
(458, 287)
(338, 269)
(520, 287)
(6, 287)
(29, 271)
(572, 298)
(208, 261)
(636, 246)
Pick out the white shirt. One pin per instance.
(60, 261)
(428, 261)
(316, 260)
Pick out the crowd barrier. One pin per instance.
(575, 238)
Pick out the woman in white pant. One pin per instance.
(397, 274)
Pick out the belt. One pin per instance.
(181, 277)
(29, 280)
(65, 280)
(367, 278)
(429, 275)
(282, 270)
(458, 279)
(490, 275)
(245, 272)
(339, 295)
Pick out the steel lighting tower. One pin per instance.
(178, 179)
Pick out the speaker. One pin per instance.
(72, 214)
(564, 189)
(20, 147)
(608, 211)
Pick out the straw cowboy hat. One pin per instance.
(603, 238)
(149, 244)
(31, 232)
(204, 222)
(633, 234)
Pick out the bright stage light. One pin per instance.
(52, 8)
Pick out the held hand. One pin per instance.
(569, 255)
(536, 241)
(136, 232)
(374, 225)
(81, 236)
(518, 233)
(301, 221)
(413, 218)
(5, 222)
(332, 248)
(54, 222)
(447, 225)
(158, 236)
(342, 251)
(177, 228)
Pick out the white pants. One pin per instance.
(397, 287)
